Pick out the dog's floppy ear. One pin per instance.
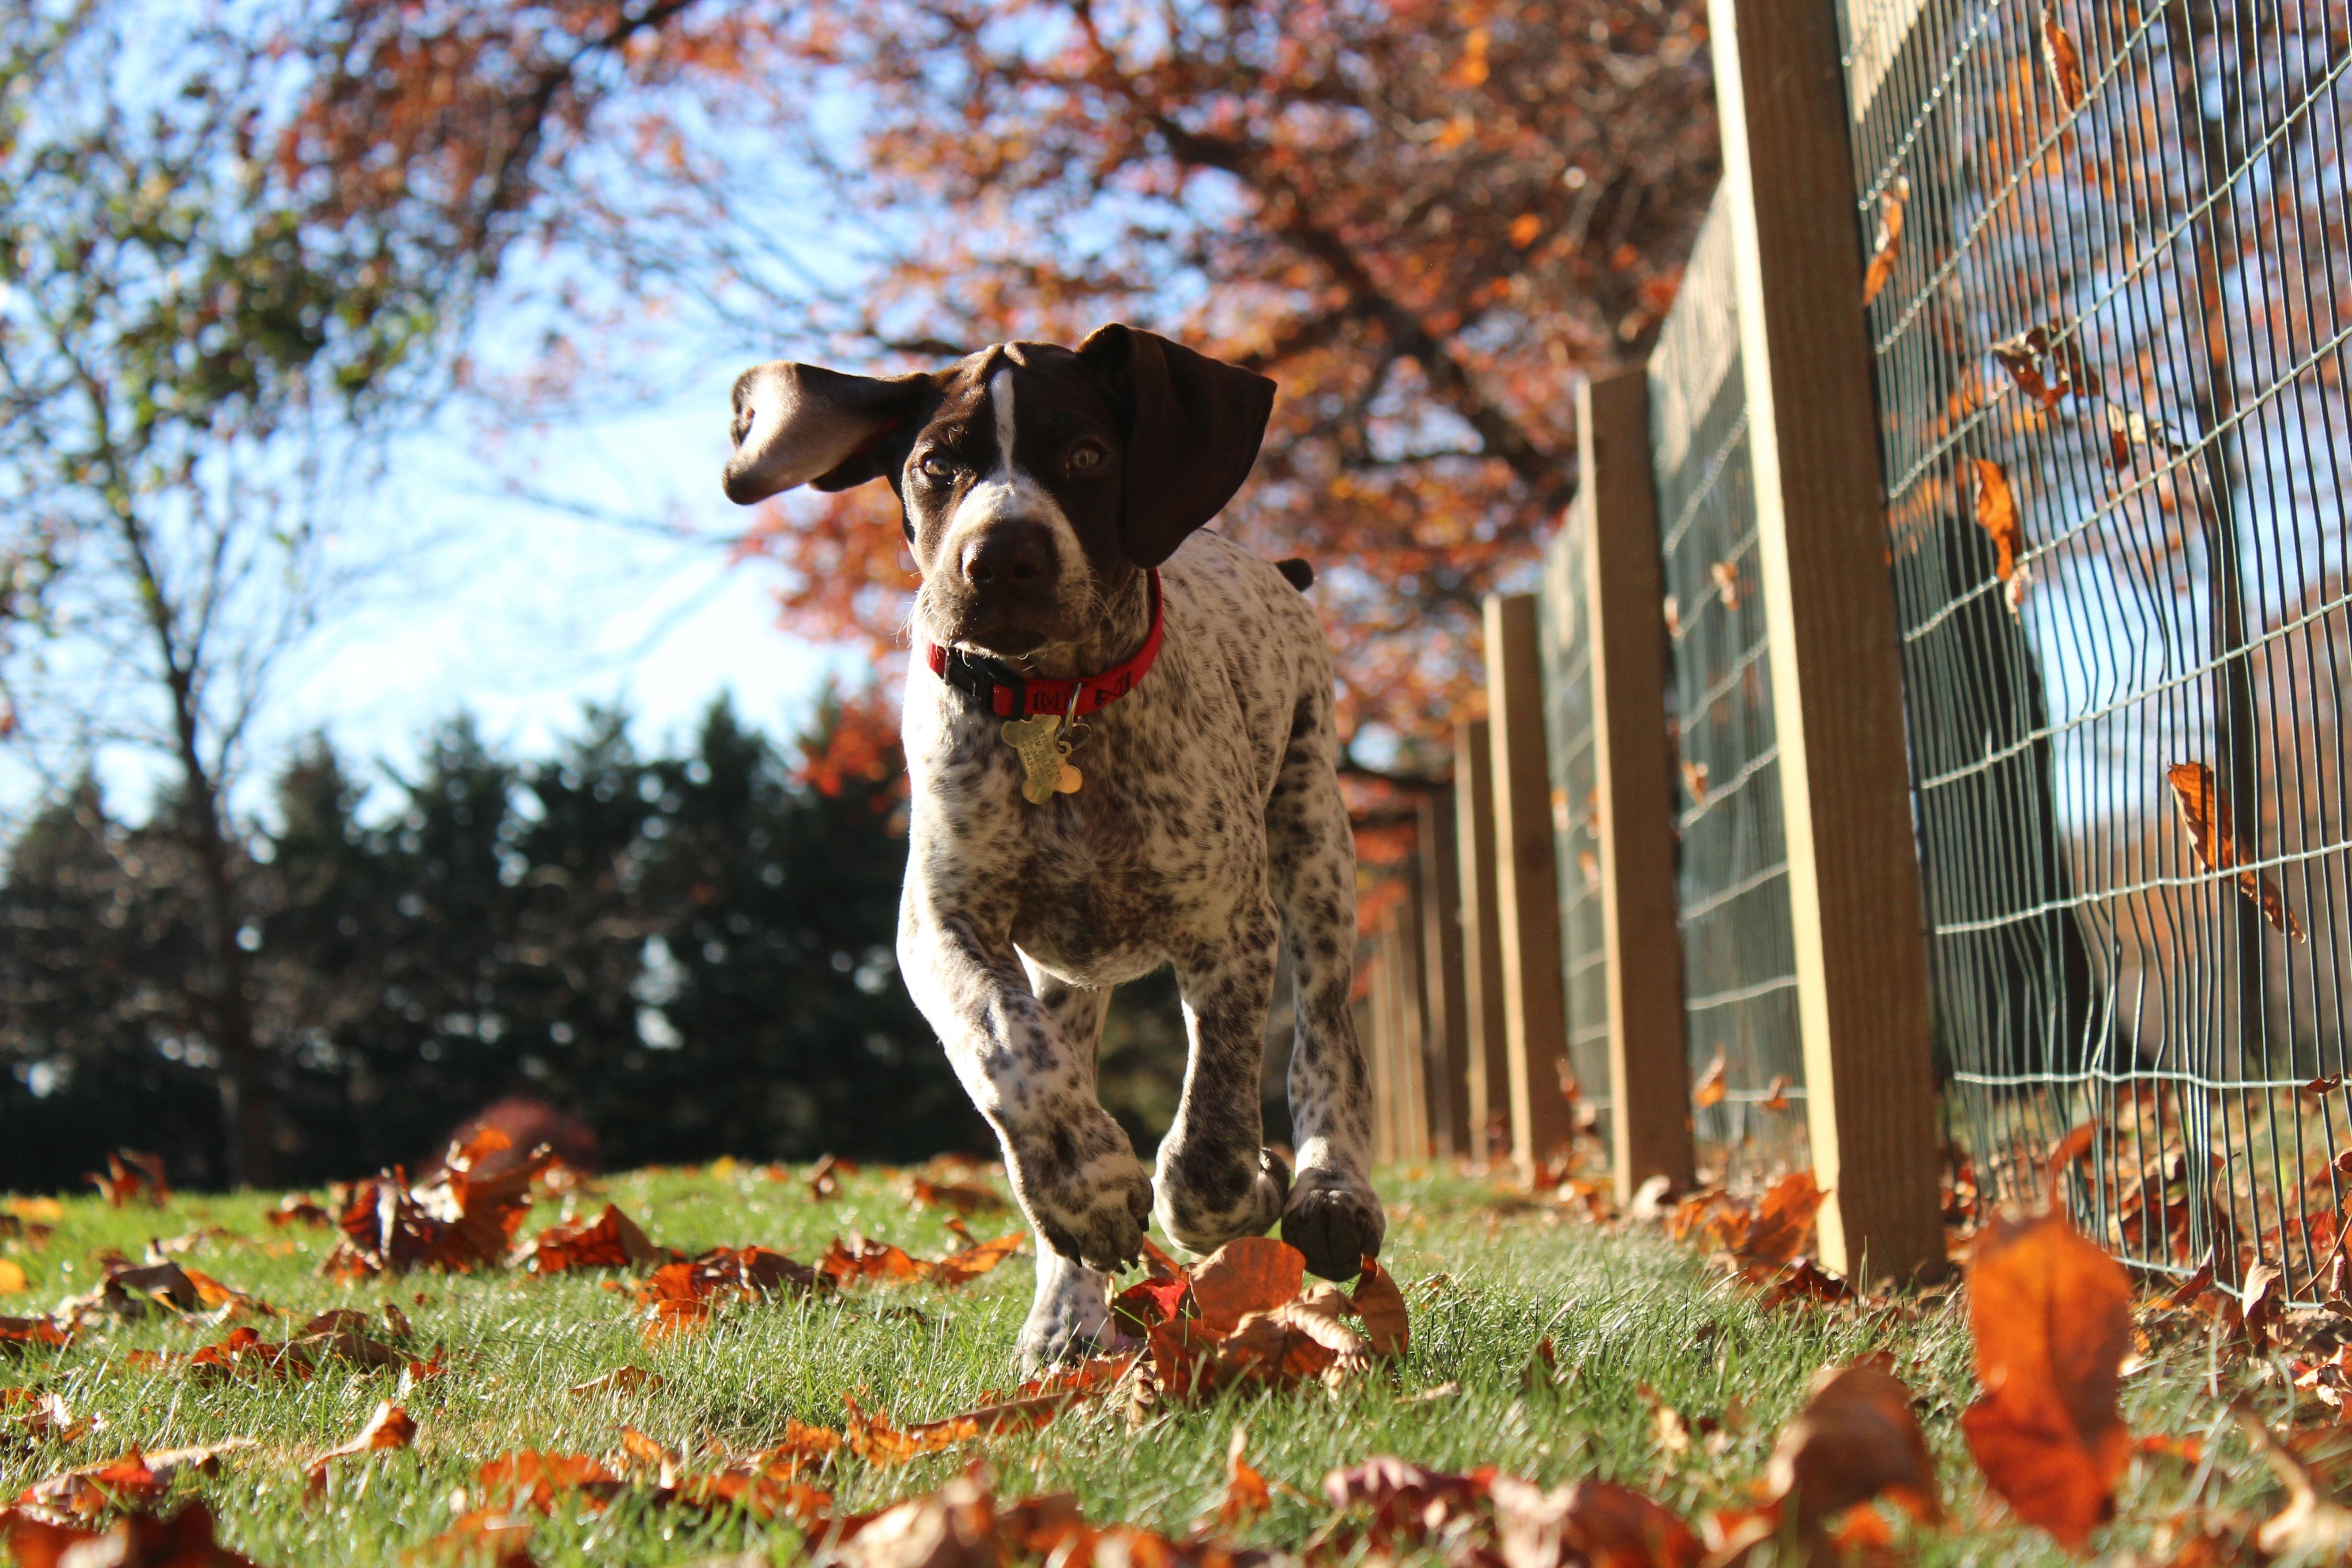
(801, 424)
(1194, 425)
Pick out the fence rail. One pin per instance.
(1996, 454)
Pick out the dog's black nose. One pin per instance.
(1015, 554)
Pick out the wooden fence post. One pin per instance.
(1486, 1035)
(1378, 1054)
(1649, 1067)
(1447, 1043)
(1527, 884)
(1400, 939)
(1854, 874)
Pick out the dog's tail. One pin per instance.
(1300, 574)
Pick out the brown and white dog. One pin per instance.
(1054, 500)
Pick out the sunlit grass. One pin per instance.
(1632, 1322)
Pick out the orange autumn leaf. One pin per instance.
(1857, 1439)
(964, 1199)
(2059, 59)
(958, 1269)
(531, 1479)
(610, 1240)
(1598, 1523)
(2052, 1316)
(1709, 1089)
(461, 1218)
(874, 1437)
(1777, 1232)
(183, 1539)
(1888, 244)
(1254, 1274)
(1996, 515)
(1381, 1304)
(2075, 1145)
(1776, 1093)
(2212, 836)
(132, 1177)
(1246, 1493)
(389, 1427)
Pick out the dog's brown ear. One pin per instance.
(1194, 425)
(801, 424)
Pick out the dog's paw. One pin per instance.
(1201, 1206)
(1099, 1221)
(1070, 1319)
(1335, 1219)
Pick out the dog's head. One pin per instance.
(1033, 480)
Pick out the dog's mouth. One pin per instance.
(1006, 630)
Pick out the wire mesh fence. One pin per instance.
(1738, 950)
(1565, 633)
(2112, 296)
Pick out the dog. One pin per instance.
(1121, 747)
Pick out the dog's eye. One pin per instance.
(1085, 457)
(939, 466)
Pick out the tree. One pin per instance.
(184, 357)
(1424, 219)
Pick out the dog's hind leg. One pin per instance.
(1332, 1216)
(1216, 1180)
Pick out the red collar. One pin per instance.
(1002, 692)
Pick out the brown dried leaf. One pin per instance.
(531, 1479)
(2059, 58)
(132, 1177)
(1888, 245)
(1855, 1440)
(1381, 1304)
(1246, 1494)
(2052, 1315)
(1598, 1523)
(2213, 837)
(1255, 1274)
(1783, 1222)
(1996, 515)
(1709, 1089)
(610, 1240)
(389, 1427)
(182, 1539)
(963, 1199)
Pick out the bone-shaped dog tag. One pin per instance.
(1038, 743)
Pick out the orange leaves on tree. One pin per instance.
(1888, 245)
(1996, 515)
(2212, 836)
(2052, 1316)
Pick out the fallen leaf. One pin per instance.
(1694, 781)
(680, 1298)
(2321, 1088)
(12, 1277)
(299, 1208)
(531, 1479)
(2058, 57)
(875, 1438)
(2311, 1528)
(2213, 837)
(1407, 1502)
(131, 1177)
(2052, 1316)
(1247, 1495)
(389, 1427)
(486, 1538)
(184, 1539)
(610, 1240)
(621, 1380)
(962, 1268)
(964, 1200)
(1709, 1089)
(456, 1220)
(1996, 515)
(1588, 1524)
(2045, 366)
(1727, 584)
(2074, 1145)
(1777, 1232)
(824, 1177)
(1888, 246)
(1776, 1094)
(2260, 1303)
(1857, 1439)
(1254, 1274)
(1381, 1304)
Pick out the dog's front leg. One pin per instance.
(1215, 1181)
(1072, 1168)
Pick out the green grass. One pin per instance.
(1627, 1313)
